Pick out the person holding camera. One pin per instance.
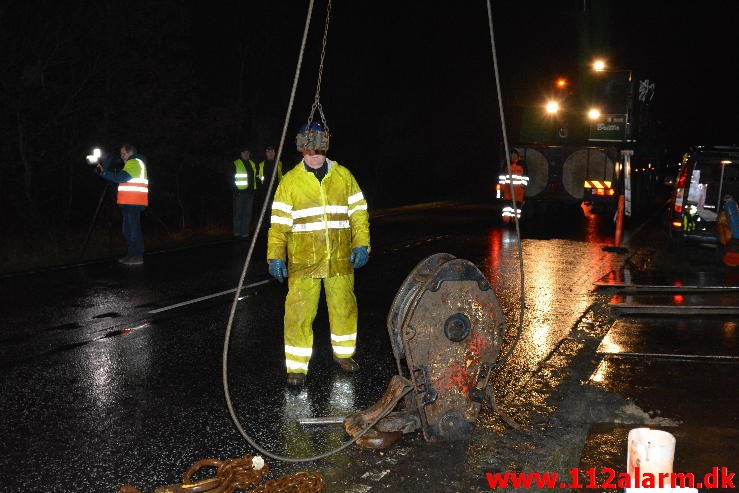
(133, 197)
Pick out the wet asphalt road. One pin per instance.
(112, 374)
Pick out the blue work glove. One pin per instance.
(359, 257)
(278, 269)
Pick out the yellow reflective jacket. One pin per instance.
(315, 225)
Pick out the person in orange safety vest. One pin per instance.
(133, 197)
(514, 173)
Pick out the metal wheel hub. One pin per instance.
(446, 323)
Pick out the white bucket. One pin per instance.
(652, 451)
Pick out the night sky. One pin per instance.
(408, 89)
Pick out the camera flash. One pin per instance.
(93, 158)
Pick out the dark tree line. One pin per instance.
(408, 90)
(187, 83)
(82, 74)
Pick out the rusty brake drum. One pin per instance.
(446, 323)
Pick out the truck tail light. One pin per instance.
(598, 187)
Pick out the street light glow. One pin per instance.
(599, 65)
(594, 113)
(561, 83)
(552, 107)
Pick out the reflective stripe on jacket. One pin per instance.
(315, 225)
(136, 190)
(516, 177)
(259, 174)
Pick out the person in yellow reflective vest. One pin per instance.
(266, 167)
(268, 164)
(246, 181)
(133, 197)
(319, 234)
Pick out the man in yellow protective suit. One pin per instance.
(319, 234)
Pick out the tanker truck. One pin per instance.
(569, 175)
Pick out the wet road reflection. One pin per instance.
(146, 402)
(558, 277)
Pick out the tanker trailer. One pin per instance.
(536, 170)
(589, 176)
(567, 175)
(543, 167)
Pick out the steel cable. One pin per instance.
(522, 301)
(232, 313)
(252, 244)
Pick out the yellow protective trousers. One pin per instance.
(301, 306)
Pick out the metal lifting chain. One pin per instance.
(240, 474)
(317, 98)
